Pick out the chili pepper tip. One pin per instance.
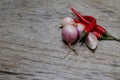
(110, 39)
(108, 35)
(115, 38)
(79, 15)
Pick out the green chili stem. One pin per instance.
(114, 38)
(109, 39)
(83, 34)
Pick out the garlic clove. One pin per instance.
(91, 41)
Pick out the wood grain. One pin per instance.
(31, 47)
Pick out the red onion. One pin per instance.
(69, 34)
(80, 27)
(67, 21)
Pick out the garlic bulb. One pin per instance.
(91, 41)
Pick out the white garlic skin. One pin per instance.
(91, 41)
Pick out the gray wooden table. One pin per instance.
(31, 47)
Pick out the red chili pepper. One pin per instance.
(89, 27)
(104, 32)
(92, 23)
(101, 30)
(76, 20)
(79, 15)
(98, 35)
(92, 26)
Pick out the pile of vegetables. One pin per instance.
(83, 28)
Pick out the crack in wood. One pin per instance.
(14, 73)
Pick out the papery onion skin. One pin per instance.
(69, 34)
(67, 21)
(80, 27)
(91, 41)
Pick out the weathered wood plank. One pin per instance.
(31, 47)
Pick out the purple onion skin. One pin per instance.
(80, 27)
(69, 34)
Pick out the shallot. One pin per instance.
(67, 21)
(80, 27)
(69, 35)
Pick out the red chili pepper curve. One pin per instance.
(79, 16)
(102, 30)
(76, 20)
(92, 22)
(89, 27)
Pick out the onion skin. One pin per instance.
(67, 21)
(80, 27)
(91, 41)
(69, 34)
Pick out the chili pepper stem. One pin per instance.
(115, 38)
(109, 39)
(102, 38)
(70, 46)
(83, 34)
(108, 35)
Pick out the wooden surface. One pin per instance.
(31, 47)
